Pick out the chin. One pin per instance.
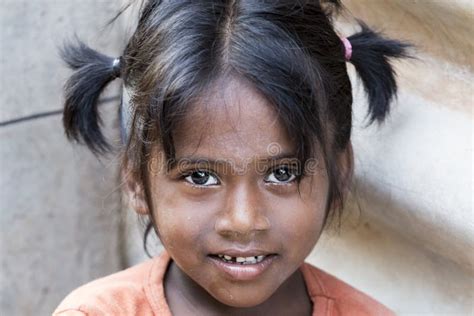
(241, 298)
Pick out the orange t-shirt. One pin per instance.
(139, 291)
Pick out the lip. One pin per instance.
(243, 253)
(241, 272)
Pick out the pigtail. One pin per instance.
(92, 72)
(371, 55)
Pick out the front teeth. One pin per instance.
(242, 260)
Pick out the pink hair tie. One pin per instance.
(348, 48)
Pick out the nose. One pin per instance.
(243, 214)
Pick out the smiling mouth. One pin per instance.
(240, 260)
(246, 267)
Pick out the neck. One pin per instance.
(186, 297)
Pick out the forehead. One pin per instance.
(231, 120)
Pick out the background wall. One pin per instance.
(59, 209)
(407, 238)
(412, 245)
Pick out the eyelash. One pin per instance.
(292, 170)
(198, 186)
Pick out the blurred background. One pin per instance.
(408, 233)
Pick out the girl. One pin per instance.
(237, 124)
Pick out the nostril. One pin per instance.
(241, 224)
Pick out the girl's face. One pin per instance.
(234, 195)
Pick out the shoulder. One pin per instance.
(338, 295)
(121, 293)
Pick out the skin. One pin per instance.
(239, 206)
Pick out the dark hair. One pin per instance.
(288, 50)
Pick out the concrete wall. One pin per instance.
(59, 209)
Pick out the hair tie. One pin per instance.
(117, 67)
(347, 47)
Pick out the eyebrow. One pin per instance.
(193, 160)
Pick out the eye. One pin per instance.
(281, 175)
(202, 178)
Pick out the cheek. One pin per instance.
(300, 218)
(181, 222)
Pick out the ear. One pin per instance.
(135, 193)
